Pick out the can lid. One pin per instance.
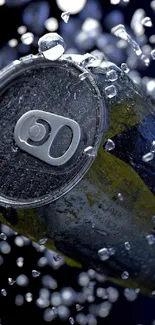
(50, 115)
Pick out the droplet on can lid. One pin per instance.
(52, 46)
(110, 91)
(103, 254)
(112, 75)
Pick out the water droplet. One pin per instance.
(49, 282)
(148, 157)
(42, 261)
(56, 299)
(20, 261)
(120, 196)
(21, 30)
(121, 32)
(19, 300)
(127, 245)
(63, 312)
(112, 251)
(65, 16)
(28, 297)
(13, 42)
(2, 2)
(19, 241)
(79, 307)
(110, 145)
(51, 24)
(43, 241)
(125, 275)
(89, 151)
(103, 254)
(5, 248)
(113, 294)
(84, 75)
(91, 319)
(4, 292)
(71, 320)
(52, 46)
(101, 293)
(147, 22)
(68, 296)
(150, 239)
(35, 273)
(130, 294)
(110, 91)
(153, 219)
(3, 236)
(27, 38)
(83, 279)
(125, 68)
(22, 280)
(112, 75)
(48, 315)
(57, 257)
(153, 142)
(11, 281)
(153, 54)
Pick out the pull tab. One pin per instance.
(36, 130)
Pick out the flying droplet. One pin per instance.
(4, 292)
(110, 91)
(13, 42)
(27, 38)
(11, 281)
(150, 239)
(153, 219)
(83, 279)
(148, 157)
(71, 320)
(43, 241)
(79, 307)
(22, 280)
(28, 297)
(35, 273)
(21, 30)
(52, 46)
(125, 68)
(127, 245)
(103, 254)
(147, 22)
(130, 294)
(51, 24)
(125, 275)
(110, 145)
(3, 236)
(65, 16)
(20, 261)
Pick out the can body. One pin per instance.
(112, 206)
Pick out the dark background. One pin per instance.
(142, 311)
